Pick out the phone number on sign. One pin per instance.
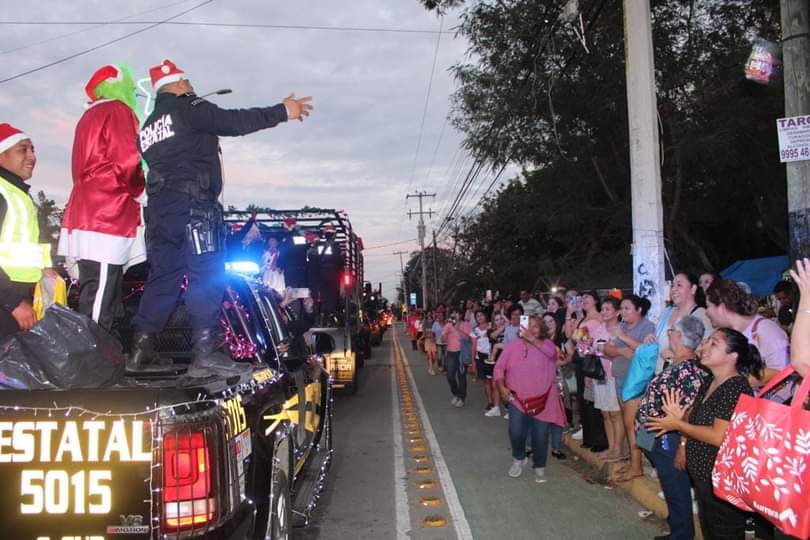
(793, 154)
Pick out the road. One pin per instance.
(400, 448)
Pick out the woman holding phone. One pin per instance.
(525, 378)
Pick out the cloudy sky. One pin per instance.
(356, 152)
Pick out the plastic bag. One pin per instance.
(65, 350)
(49, 291)
(641, 372)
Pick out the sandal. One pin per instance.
(623, 469)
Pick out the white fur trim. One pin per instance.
(101, 247)
(8, 142)
(168, 79)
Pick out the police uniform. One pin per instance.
(184, 224)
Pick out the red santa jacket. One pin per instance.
(103, 213)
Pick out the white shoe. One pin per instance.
(493, 412)
(540, 475)
(517, 467)
(459, 403)
(506, 416)
(454, 401)
(577, 436)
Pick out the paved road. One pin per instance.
(371, 491)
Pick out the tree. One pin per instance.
(49, 218)
(530, 93)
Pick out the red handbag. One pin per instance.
(763, 464)
(535, 404)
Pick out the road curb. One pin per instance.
(644, 490)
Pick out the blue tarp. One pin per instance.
(761, 275)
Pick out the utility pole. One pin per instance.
(645, 159)
(420, 228)
(404, 279)
(435, 271)
(796, 58)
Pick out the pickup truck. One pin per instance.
(160, 457)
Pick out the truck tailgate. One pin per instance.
(77, 464)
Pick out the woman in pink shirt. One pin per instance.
(525, 370)
(452, 334)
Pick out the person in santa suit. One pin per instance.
(103, 213)
(22, 257)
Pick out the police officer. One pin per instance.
(184, 224)
(22, 257)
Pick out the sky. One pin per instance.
(358, 150)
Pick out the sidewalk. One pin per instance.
(644, 489)
(476, 449)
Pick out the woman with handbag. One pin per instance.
(730, 359)
(579, 346)
(525, 379)
(687, 299)
(683, 374)
(605, 396)
(556, 336)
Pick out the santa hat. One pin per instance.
(165, 73)
(9, 136)
(289, 223)
(104, 73)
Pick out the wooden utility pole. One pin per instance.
(420, 228)
(796, 61)
(645, 160)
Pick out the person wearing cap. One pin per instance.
(22, 256)
(184, 223)
(103, 212)
(292, 255)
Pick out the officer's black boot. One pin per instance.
(208, 361)
(143, 356)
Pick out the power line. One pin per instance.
(106, 43)
(424, 115)
(83, 30)
(233, 25)
(425, 108)
(390, 244)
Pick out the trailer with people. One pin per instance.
(311, 252)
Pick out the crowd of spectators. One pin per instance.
(554, 362)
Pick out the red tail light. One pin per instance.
(187, 480)
(347, 279)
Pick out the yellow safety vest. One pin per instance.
(22, 257)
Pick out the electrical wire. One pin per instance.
(232, 25)
(390, 244)
(102, 45)
(83, 30)
(425, 107)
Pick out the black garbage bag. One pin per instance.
(65, 350)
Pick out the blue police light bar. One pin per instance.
(299, 240)
(242, 267)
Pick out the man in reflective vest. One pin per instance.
(22, 257)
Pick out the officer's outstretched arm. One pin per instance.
(206, 116)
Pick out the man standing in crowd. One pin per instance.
(22, 257)
(180, 143)
(530, 305)
(103, 213)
